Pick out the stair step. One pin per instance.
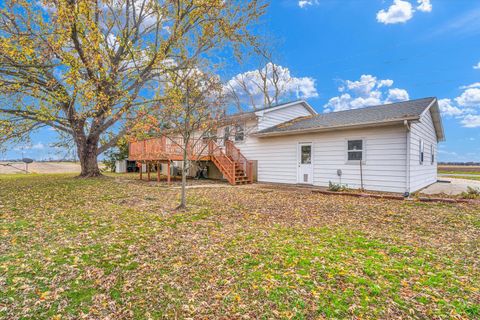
(242, 182)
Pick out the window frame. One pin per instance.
(363, 151)
(227, 133)
(421, 152)
(209, 135)
(306, 144)
(242, 126)
(432, 155)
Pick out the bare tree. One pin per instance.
(264, 87)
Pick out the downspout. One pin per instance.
(407, 164)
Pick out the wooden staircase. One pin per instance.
(232, 163)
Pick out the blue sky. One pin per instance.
(347, 54)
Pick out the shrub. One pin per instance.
(471, 193)
(332, 186)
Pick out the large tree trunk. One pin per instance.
(87, 153)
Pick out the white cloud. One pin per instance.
(50, 8)
(400, 11)
(367, 91)
(473, 85)
(469, 98)
(447, 108)
(396, 94)
(249, 85)
(366, 84)
(471, 121)
(465, 107)
(305, 3)
(477, 66)
(385, 83)
(37, 146)
(424, 5)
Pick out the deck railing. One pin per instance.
(165, 148)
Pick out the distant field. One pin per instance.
(40, 167)
(459, 169)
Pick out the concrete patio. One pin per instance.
(450, 186)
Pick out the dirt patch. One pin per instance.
(39, 167)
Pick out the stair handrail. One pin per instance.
(225, 163)
(237, 156)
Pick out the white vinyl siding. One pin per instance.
(269, 119)
(384, 166)
(422, 174)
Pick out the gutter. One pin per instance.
(407, 161)
(312, 130)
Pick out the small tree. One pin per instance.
(193, 106)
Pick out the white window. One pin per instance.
(209, 135)
(422, 151)
(355, 150)
(226, 134)
(306, 154)
(432, 152)
(239, 133)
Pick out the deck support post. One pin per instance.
(148, 170)
(158, 171)
(168, 172)
(140, 167)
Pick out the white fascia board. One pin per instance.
(302, 102)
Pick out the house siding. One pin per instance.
(272, 118)
(422, 175)
(385, 158)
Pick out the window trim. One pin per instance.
(432, 154)
(226, 134)
(421, 152)
(364, 151)
(242, 126)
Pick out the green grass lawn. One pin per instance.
(477, 178)
(114, 247)
(458, 171)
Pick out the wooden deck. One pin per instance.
(228, 159)
(167, 149)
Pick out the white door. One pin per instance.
(305, 163)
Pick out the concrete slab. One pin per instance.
(455, 187)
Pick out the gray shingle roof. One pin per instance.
(369, 115)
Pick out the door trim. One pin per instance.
(299, 145)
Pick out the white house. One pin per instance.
(391, 147)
